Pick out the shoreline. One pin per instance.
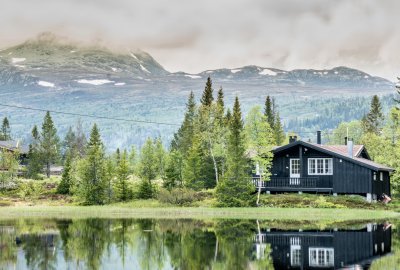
(117, 211)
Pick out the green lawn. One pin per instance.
(127, 211)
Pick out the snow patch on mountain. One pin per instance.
(119, 84)
(193, 76)
(144, 69)
(236, 70)
(268, 72)
(17, 60)
(46, 84)
(134, 56)
(94, 82)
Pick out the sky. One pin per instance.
(193, 36)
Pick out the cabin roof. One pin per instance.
(13, 146)
(341, 152)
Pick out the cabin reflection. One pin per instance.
(329, 249)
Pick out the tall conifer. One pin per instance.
(49, 143)
(207, 98)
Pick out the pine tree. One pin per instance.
(192, 166)
(220, 98)
(69, 144)
(93, 171)
(174, 170)
(373, 121)
(269, 112)
(66, 179)
(183, 138)
(160, 156)
(122, 191)
(279, 134)
(80, 140)
(49, 143)
(147, 170)
(34, 158)
(235, 189)
(207, 98)
(5, 132)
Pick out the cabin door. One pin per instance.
(294, 168)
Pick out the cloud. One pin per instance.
(198, 35)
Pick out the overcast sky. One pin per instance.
(193, 36)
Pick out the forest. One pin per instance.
(211, 157)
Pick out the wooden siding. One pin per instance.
(347, 177)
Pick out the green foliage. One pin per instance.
(192, 166)
(236, 189)
(8, 168)
(67, 178)
(178, 196)
(146, 190)
(352, 130)
(34, 157)
(49, 143)
(92, 171)
(373, 121)
(148, 168)
(5, 131)
(174, 170)
(121, 185)
(207, 97)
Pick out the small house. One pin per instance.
(334, 169)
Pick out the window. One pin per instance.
(381, 176)
(374, 176)
(295, 251)
(321, 257)
(320, 166)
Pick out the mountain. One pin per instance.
(48, 74)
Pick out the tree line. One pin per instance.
(214, 148)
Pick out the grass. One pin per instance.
(160, 211)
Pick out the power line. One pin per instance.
(89, 115)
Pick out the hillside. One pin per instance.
(48, 74)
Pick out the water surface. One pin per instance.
(195, 244)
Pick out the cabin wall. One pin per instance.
(347, 177)
(379, 187)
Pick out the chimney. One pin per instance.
(292, 138)
(319, 137)
(350, 148)
(345, 140)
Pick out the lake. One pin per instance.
(196, 244)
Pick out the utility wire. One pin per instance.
(89, 115)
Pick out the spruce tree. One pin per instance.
(34, 157)
(373, 121)
(160, 156)
(147, 170)
(66, 179)
(69, 144)
(236, 188)
(183, 138)
(207, 97)
(269, 112)
(49, 143)
(220, 98)
(93, 171)
(174, 170)
(5, 132)
(279, 134)
(122, 191)
(192, 166)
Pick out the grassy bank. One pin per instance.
(126, 211)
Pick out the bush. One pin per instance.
(146, 190)
(5, 203)
(179, 196)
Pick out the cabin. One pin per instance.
(333, 169)
(324, 249)
(16, 147)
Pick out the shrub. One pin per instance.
(146, 190)
(179, 196)
(5, 203)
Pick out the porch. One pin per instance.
(282, 184)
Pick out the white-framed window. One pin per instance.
(321, 257)
(320, 166)
(295, 251)
(381, 176)
(374, 176)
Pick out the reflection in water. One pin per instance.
(184, 244)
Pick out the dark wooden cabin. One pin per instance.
(335, 169)
(16, 147)
(327, 249)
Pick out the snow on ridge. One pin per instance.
(94, 82)
(268, 72)
(46, 84)
(366, 77)
(114, 69)
(134, 56)
(17, 60)
(144, 69)
(119, 84)
(236, 70)
(193, 76)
